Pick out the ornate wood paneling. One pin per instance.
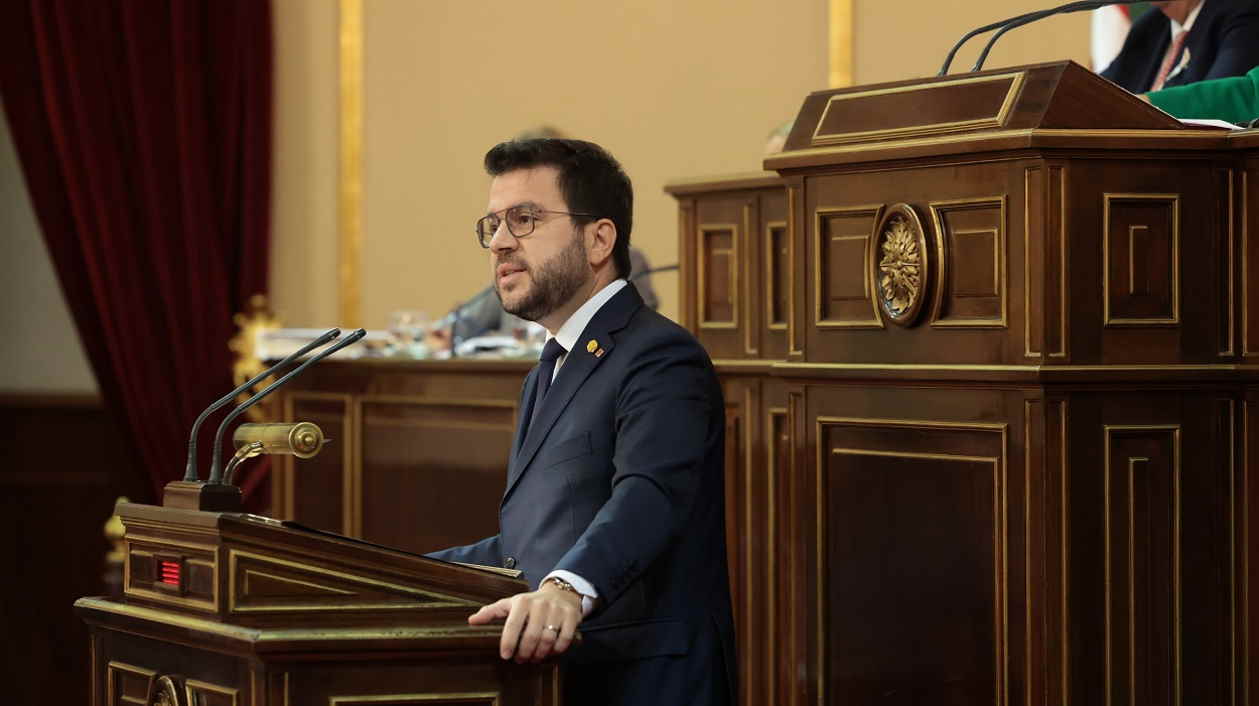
(973, 255)
(842, 252)
(413, 445)
(911, 519)
(318, 495)
(718, 275)
(1142, 541)
(1141, 260)
(401, 430)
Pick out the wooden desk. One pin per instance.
(419, 453)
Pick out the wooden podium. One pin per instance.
(230, 609)
(989, 349)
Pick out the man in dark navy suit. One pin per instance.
(614, 508)
(1187, 41)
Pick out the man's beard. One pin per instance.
(553, 283)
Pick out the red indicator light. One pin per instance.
(170, 573)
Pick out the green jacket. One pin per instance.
(1235, 99)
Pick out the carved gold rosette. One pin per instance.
(901, 264)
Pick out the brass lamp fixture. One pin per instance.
(300, 439)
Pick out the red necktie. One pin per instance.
(1178, 42)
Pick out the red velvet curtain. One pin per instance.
(144, 132)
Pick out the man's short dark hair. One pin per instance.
(590, 179)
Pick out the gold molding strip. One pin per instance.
(840, 43)
(792, 227)
(1026, 285)
(701, 257)
(1245, 313)
(352, 474)
(749, 345)
(487, 635)
(493, 698)
(771, 277)
(773, 448)
(1231, 255)
(782, 159)
(1065, 538)
(1031, 368)
(404, 592)
(939, 210)
(193, 689)
(1177, 596)
(110, 684)
(1174, 319)
(1063, 281)
(875, 211)
(350, 191)
(1001, 577)
(1232, 542)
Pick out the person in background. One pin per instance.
(1234, 99)
(1188, 41)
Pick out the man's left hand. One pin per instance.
(539, 624)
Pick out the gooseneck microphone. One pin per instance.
(1035, 16)
(1023, 19)
(190, 470)
(216, 475)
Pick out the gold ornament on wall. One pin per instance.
(901, 265)
(250, 324)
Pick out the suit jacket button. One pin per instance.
(509, 562)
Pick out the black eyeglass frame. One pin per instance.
(484, 241)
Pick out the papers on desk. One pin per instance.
(278, 343)
(1210, 122)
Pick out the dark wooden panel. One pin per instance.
(64, 465)
(913, 576)
(971, 198)
(843, 270)
(449, 460)
(316, 491)
(1145, 243)
(718, 261)
(1143, 601)
(971, 237)
(774, 256)
(1141, 246)
(1152, 598)
(724, 245)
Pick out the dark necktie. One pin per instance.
(546, 370)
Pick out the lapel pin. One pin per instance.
(592, 345)
(599, 353)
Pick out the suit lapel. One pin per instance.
(578, 366)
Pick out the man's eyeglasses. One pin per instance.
(520, 220)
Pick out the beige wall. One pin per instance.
(904, 39)
(674, 89)
(41, 352)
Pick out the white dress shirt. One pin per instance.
(567, 336)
